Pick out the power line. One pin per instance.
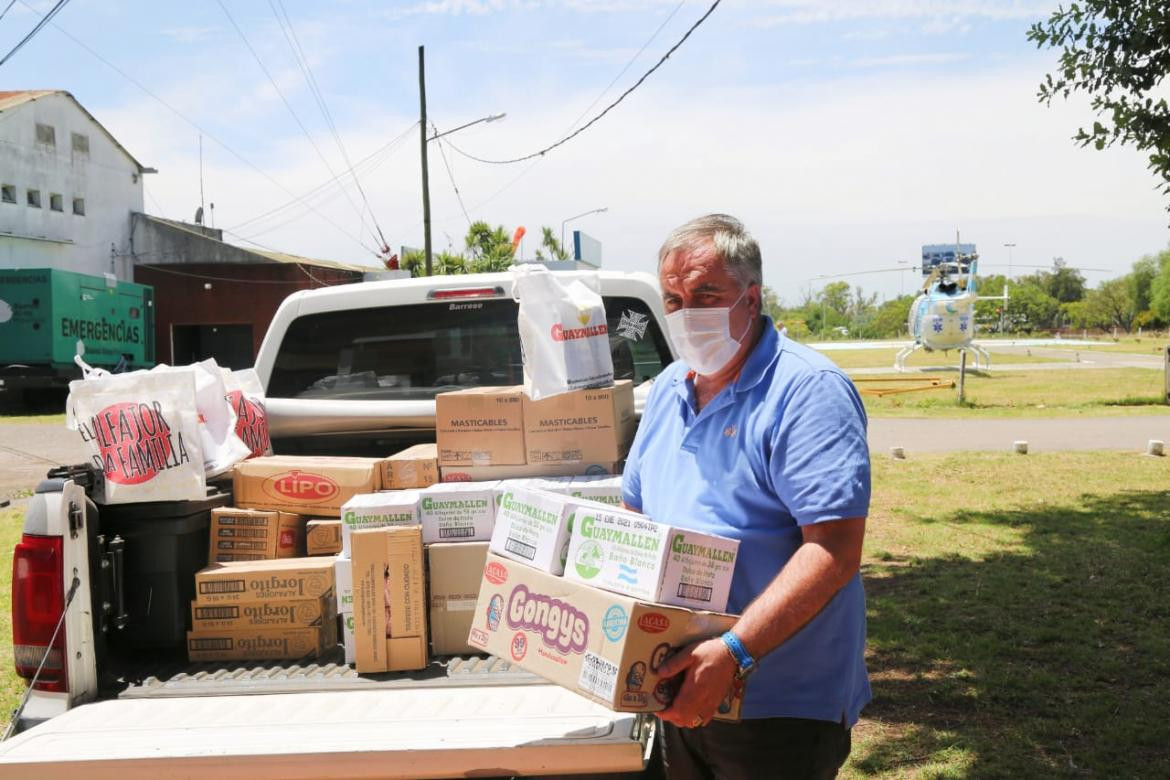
(451, 176)
(208, 278)
(45, 19)
(6, 9)
(607, 109)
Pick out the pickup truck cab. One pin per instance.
(351, 369)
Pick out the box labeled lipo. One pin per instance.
(532, 527)
(377, 510)
(457, 512)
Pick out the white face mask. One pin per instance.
(703, 337)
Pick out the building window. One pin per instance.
(55, 202)
(80, 144)
(8, 193)
(34, 198)
(46, 134)
(79, 206)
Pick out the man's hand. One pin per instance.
(708, 674)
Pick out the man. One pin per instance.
(757, 438)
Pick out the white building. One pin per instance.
(67, 187)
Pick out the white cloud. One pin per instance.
(820, 11)
(936, 58)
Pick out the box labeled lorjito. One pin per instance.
(294, 613)
(526, 471)
(629, 553)
(480, 426)
(594, 426)
(377, 510)
(454, 572)
(242, 582)
(307, 485)
(532, 527)
(605, 646)
(323, 536)
(389, 599)
(457, 512)
(254, 535)
(261, 643)
(605, 489)
(414, 467)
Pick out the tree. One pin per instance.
(1160, 288)
(1065, 284)
(1140, 280)
(771, 304)
(1111, 305)
(890, 319)
(549, 242)
(1031, 307)
(1117, 52)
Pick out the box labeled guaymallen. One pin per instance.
(414, 467)
(532, 527)
(480, 426)
(454, 572)
(631, 554)
(343, 584)
(606, 489)
(457, 512)
(389, 599)
(294, 613)
(594, 426)
(306, 485)
(250, 581)
(490, 473)
(254, 535)
(261, 643)
(323, 536)
(377, 510)
(605, 646)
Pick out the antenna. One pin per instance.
(199, 219)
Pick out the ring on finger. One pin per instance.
(698, 721)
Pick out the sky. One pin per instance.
(844, 133)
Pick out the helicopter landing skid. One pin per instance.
(982, 356)
(903, 353)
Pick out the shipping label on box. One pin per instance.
(306, 485)
(323, 536)
(605, 489)
(377, 510)
(481, 426)
(629, 553)
(532, 526)
(457, 511)
(273, 580)
(414, 467)
(605, 646)
(583, 426)
(343, 584)
(389, 597)
(254, 534)
(526, 471)
(454, 572)
(260, 644)
(296, 613)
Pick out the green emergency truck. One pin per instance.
(47, 316)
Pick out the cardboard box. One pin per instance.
(454, 574)
(480, 426)
(629, 553)
(322, 536)
(489, 473)
(245, 582)
(254, 535)
(607, 490)
(457, 512)
(532, 527)
(414, 467)
(347, 640)
(296, 613)
(377, 510)
(593, 426)
(306, 485)
(389, 599)
(605, 646)
(261, 644)
(343, 584)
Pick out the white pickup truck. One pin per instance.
(349, 370)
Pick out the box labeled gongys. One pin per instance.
(605, 646)
(316, 486)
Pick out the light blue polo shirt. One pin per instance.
(782, 447)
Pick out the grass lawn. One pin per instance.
(1144, 346)
(1019, 617)
(31, 419)
(11, 686)
(884, 358)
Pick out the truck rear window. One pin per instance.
(413, 352)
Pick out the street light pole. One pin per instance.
(582, 214)
(422, 134)
(1003, 304)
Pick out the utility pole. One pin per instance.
(422, 139)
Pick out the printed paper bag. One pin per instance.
(222, 448)
(245, 395)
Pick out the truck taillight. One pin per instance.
(465, 292)
(38, 599)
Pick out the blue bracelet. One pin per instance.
(743, 658)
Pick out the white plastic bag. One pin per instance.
(142, 433)
(245, 395)
(563, 331)
(222, 448)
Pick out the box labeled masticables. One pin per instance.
(261, 643)
(453, 573)
(414, 467)
(377, 510)
(532, 527)
(389, 599)
(605, 646)
(295, 613)
(480, 426)
(306, 485)
(250, 581)
(594, 426)
(629, 553)
(322, 536)
(457, 512)
(527, 471)
(255, 535)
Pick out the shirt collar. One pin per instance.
(762, 356)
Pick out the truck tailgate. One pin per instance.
(380, 733)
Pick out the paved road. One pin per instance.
(27, 451)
